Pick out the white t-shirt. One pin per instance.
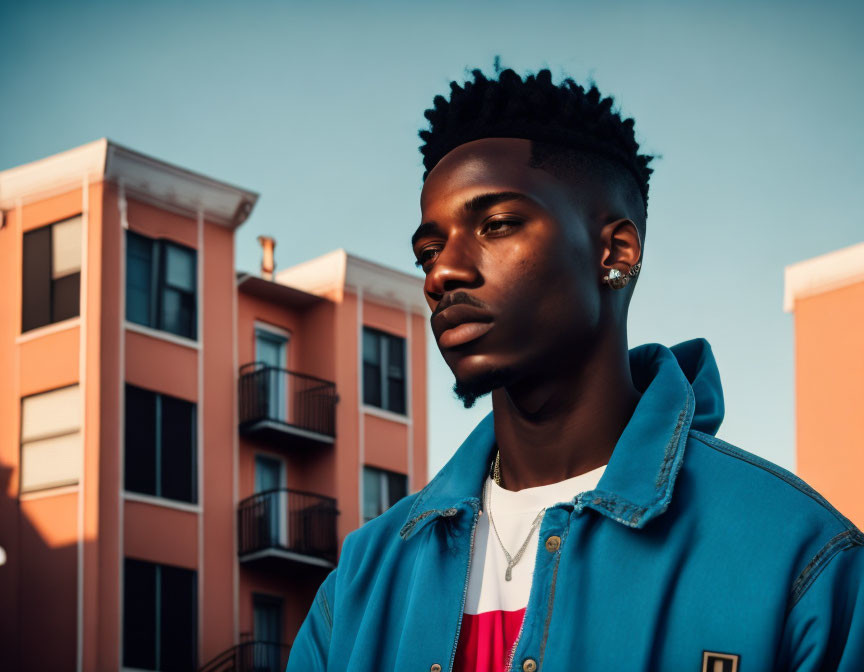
(494, 607)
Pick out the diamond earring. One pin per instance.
(618, 280)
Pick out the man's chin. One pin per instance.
(469, 390)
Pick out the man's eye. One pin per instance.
(425, 256)
(499, 225)
(491, 227)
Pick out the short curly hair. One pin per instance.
(562, 121)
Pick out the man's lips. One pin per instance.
(463, 333)
(460, 323)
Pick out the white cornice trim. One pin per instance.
(824, 273)
(142, 177)
(185, 191)
(336, 271)
(54, 174)
(383, 284)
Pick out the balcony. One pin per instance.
(288, 525)
(250, 656)
(286, 407)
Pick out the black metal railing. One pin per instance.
(252, 656)
(268, 393)
(288, 520)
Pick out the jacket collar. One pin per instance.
(638, 481)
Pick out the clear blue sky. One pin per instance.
(755, 108)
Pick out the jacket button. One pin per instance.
(530, 665)
(553, 543)
(435, 668)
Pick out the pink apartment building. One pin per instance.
(183, 448)
(825, 294)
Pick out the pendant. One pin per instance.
(509, 573)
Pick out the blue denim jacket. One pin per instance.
(690, 554)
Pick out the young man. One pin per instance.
(592, 521)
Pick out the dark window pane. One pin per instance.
(171, 311)
(372, 392)
(396, 357)
(396, 374)
(138, 306)
(178, 631)
(397, 487)
(178, 449)
(139, 614)
(371, 493)
(140, 440)
(177, 290)
(66, 297)
(396, 395)
(36, 303)
(372, 384)
(371, 347)
(180, 268)
(267, 627)
(139, 280)
(178, 312)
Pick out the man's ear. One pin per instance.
(620, 246)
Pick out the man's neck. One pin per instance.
(552, 428)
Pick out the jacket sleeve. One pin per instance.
(310, 648)
(825, 628)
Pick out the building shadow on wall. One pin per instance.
(38, 583)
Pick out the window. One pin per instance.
(160, 445)
(159, 616)
(51, 439)
(267, 619)
(51, 274)
(383, 370)
(381, 490)
(270, 351)
(272, 521)
(161, 285)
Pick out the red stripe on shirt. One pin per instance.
(486, 640)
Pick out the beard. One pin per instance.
(469, 391)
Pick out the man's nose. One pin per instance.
(454, 268)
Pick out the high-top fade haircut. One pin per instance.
(572, 129)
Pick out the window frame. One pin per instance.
(159, 284)
(49, 266)
(157, 599)
(384, 499)
(383, 340)
(158, 448)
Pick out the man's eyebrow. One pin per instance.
(475, 204)
(426, 229)
(485, 201)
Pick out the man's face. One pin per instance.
(512, 269)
